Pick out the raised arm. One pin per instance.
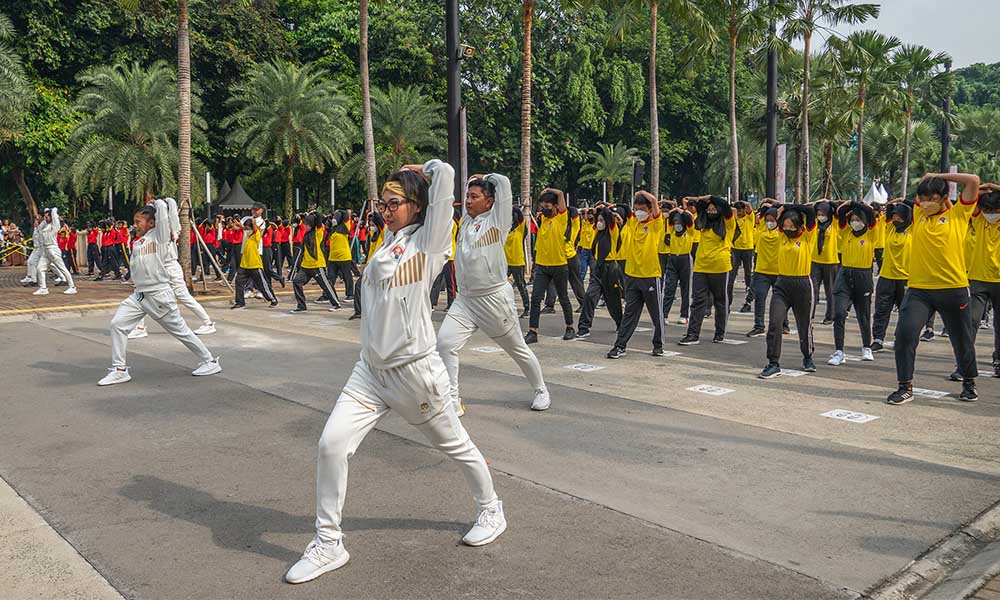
(56, 224)
(968, 181)
(503, 201)
(175, 218)
(434, 236)
(162, 233)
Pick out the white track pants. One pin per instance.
(160, 305)
(496, 315)
(419, 393)
(52, 256)
(182, 294)
(33, 259)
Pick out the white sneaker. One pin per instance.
(682, 321)
(837, 359)
(489, 525)
(542, 400)
(115, 376)
(26, 279)
(459, 407)
(257, 295)
(70, 291)
(866, 354)
(318, 558)
(41, 292)
(138, 333)
(205, 329)
(208, 368)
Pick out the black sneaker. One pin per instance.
(688, 340)
(944, 333)
(955, 376)
(582, 333)
(282, 282)
(548, 310)
(616, 352)
(901, 396)
(718, 339)
(746, 308)
(756, 332)
(827, 321)
(354, 317)
(657, 352)
(808, 365)
(996, 369)
(927, 335)
(273, 304)
(237, 306)
(969, 393)
(786, 330)
(298, 309)
(771, 371)
(876, 346)
(570, 334)
(531, 338)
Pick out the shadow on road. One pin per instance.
(238, 526)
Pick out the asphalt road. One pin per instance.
(632, 485)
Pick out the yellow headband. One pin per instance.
(395, 188)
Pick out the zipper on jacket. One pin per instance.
(406, 318)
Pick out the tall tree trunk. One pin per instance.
(733, 137)
(861, 144)
(654, 118)
(289, 185)
(366, 109)
(827, 169)
(905, 183)
(802, 193)
(184, 137)
(529, 17)
(22, 186)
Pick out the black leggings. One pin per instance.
(342, 269)
(677, 271)
(742, 258)
(543, 275)
(574, 279)
(795, 293)
(302, 277)
(709, 284)
(853, 288)
(824, 275)
(954, 306)
(517, 274)
(888, 293)
(256, 276)
(640, 292)
(986, 293)
(604, 281)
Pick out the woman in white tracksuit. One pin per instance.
(51, 255)
(153, 295)
(400, 368)
(485, 298)
(177, 284)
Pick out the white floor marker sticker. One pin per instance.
(848, 415)
(584, 367)
(670, 353)
(711, 390)
(488, 349)
(792, 373)
(641, 329)
(281, 315)
(929, 393)
(733, 342)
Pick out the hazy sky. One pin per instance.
(962, 28)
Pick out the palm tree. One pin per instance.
(889, 140)
(366, 106)
(408, 126)
(809, 16)
(529, 16)
(290, 116)
(745, 23)
(16, 97)
(864, 59)
(126, 138)
(613, 164)
(833, 108)
(922, 77)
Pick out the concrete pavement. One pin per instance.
(631, 486)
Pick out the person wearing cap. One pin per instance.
(485, 299)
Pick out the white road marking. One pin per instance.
(711, 390)
(733, 342)
(488, 349)
(929, 393)
(584, 367)
(792, 373)
(848, 415)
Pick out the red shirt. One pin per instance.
(286, 234)
(108, 238)
(61, 240)
(92, 236)
(122, 233)
(72, 240)
(236, 236)
(266, 237)
(300, 233)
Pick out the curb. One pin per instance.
(921, 575)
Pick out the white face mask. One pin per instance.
(641, 215)
(679, 227)
(600, 225)
(822, 218)
(772, 225)
(857, 225)
(992, 217)
(372, 229)
(333, 223)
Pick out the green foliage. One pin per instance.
(613, 164)
(46, 129)
(15, 91)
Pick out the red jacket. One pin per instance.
(72, 240)
(300, 233)
(92, 236)
(267, 237)
(122, 233)
(236, 236)
(284, 234)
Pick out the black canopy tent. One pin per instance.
(236, 201)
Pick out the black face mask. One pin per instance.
(548, 212)
(900, 227)
(712, 216)
(790, 232)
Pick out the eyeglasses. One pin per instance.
(392, 205)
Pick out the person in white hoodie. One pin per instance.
(177, 284)
(153, 295)
(485, 298)
(400, 368)
(51, 255)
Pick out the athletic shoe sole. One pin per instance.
(324, 569)
(692, 343)
(217, 369)
(487, 540)
(127, 379)
(771, 376)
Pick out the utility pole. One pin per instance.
(454, 93)
(772, 110)
(946, 128)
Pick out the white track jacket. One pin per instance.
(480, 261)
